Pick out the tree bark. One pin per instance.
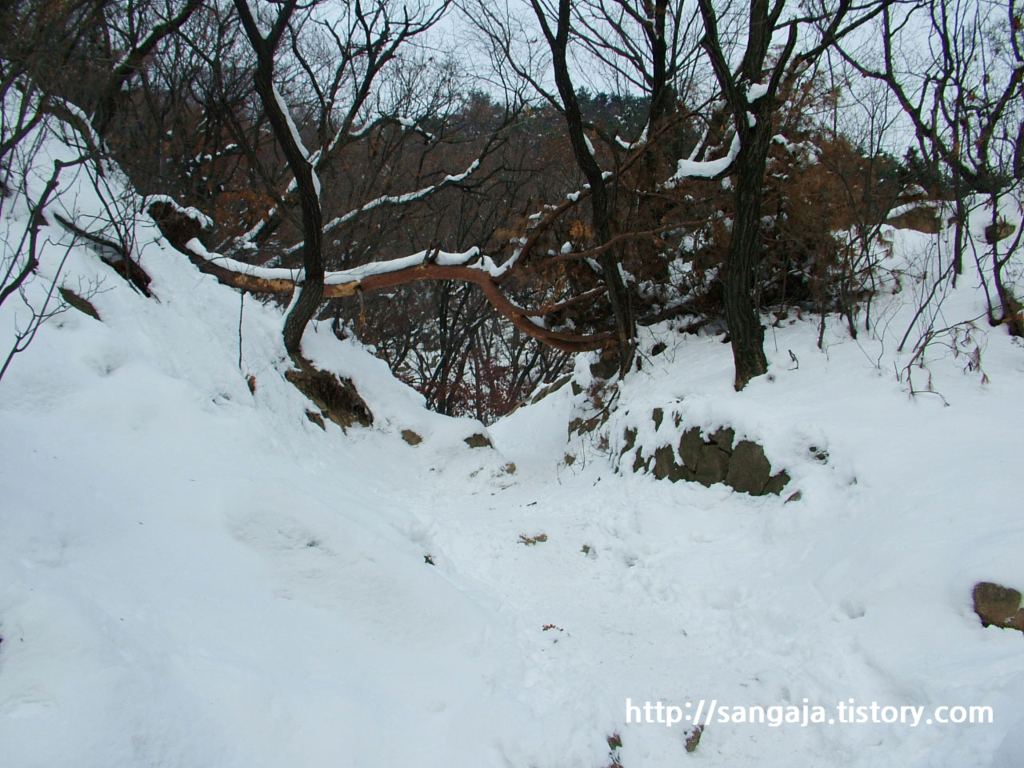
(601, 205)
(744, 255)
(311, 290)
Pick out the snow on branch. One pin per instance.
(399, 199)
(345, 282)
(705, 169)
(297, 139)
(805, 151)
(756, 91)
(195, 214)
(470, 266)
(630, 146)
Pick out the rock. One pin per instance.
(664, 458)
(712, 466)
(553, 387)
(749, 470)
(921, 218)
(776, 483)
(605, 368)
(723, 438)
(818, 454)
(579, 426)
(658, 415)
(745, 468)
(76, 301)
(629, 437)
(1001, 230)
(317, 419)
(679, 472)
(174, 224)
(999, 606)
(689, 447)
(336, 398)
(478, 441)
(693, 738)
(667, 468)
(411, 437)
(639, 463)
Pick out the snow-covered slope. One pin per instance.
(192, 573)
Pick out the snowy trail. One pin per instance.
(223, 583)
(689, 593)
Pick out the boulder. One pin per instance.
(749, 470)
(713, 465)
(775, 485)
(690, 445)
(723, 438)
(336, 397)
(478, 441)
(998, 606)
(667, 468)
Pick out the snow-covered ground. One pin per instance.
(194, 574)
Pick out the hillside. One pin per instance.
(192, 572)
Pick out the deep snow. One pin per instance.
(192, 574)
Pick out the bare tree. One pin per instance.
(364, 43)
(42, 296)
(957, 71)
(752, 92)
(432, 263)
(265, 45)
(136, 28)
(641, 47)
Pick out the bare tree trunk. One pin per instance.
(744, 253)
(311, 290)
(601, 205)
(743, 257)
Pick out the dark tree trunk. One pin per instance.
(744, 255)
(311, 290)
(601, 204)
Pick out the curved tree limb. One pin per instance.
(428, 265)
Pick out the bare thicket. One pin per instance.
(589, 169)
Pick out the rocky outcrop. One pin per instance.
(718, 459)
(1001, 230)
(336, 397)
(78, 302)
(922, 218)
